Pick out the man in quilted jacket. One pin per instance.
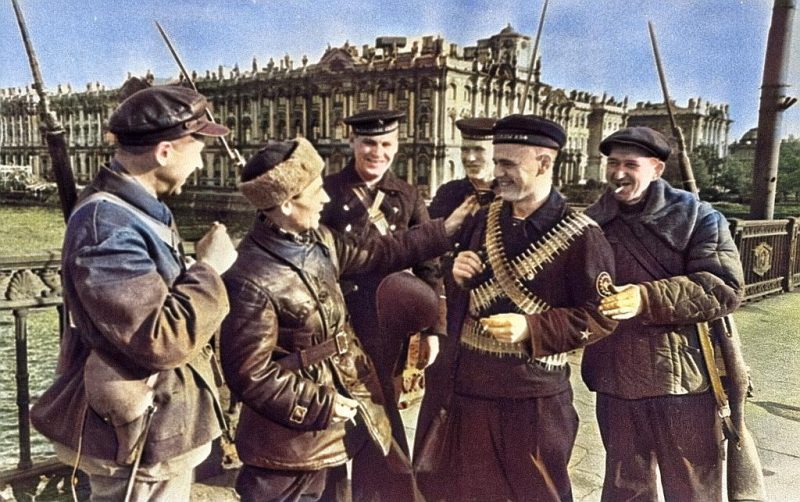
(677, 265)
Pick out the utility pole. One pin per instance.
(773, 103)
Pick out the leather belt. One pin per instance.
(304, 358)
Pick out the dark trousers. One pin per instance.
(680, 434)
(255, 484)
(506, 449)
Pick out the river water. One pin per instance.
(33, 229)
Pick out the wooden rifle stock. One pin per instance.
(744, 474)
(53, 132)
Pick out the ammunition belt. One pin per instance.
(508, 275)
(508, 283)
(474, 337)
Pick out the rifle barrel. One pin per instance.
(687, 174)
(661, 75)
(38, 82)
(53, 132)
(533, 60)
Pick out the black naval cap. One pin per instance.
(374, 122)
(477, 128)
(162, 113)
(643, 138)
(529, 130)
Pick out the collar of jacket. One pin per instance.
(389, 183)
(289, 246)
(546, 216)
(111, 179)
(669, 212)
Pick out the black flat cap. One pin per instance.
(643, 138)
(374, 122)
(529, 130)
(478, 128)
(162, 113)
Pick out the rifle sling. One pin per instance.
(373, 206)
(649, 262)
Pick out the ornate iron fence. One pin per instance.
(29, 283)
(769, 250)
(769, 254)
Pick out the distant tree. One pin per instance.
(789, 170)
(735, 179)
(707, 167)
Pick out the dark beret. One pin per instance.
(374, 122)
(643, 138)
(478, 128)
(406, 303)
(267, 158)
(529, 130)
(162, 113)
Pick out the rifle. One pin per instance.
(533, 61)
(744, 474)
(51, 127)
(233, 153)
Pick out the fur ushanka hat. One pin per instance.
(279, 171)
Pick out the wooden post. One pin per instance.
(23, 392)
(792, 229)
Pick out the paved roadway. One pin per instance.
(770, 331)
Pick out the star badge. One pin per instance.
(585, 334)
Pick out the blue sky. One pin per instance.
(713, 49)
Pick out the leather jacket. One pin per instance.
(286, 298)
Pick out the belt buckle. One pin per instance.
(342, 345)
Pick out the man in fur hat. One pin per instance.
(311, 397)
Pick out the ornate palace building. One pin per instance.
(703, 123)
(433, 82)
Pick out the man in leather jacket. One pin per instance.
(678, 266)
(141, 315)
(311, 397)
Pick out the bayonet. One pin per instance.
(533, 62)
(232, 153)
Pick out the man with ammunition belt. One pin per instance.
(135, 385)
(311, 396)
(506, 429)
(678, 266)
(368, 200)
